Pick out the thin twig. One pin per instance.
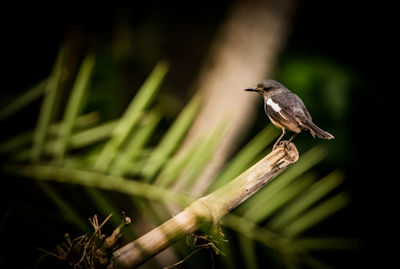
(184, 259)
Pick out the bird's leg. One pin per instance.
(279, 139)
(293, 136)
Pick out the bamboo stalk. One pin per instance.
(207, 210)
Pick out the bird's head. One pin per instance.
(267, 87)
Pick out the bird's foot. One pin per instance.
(283, 144)
(289, 148)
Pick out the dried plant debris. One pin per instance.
(90, 251)
(211, 239)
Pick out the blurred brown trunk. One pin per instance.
(244, 53)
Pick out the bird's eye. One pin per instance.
(267, 88)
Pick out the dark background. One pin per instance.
(357, 37)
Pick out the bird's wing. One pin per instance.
(294, 106)
(279, 111)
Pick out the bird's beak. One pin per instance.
(251, 90)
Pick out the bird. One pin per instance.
(286, 110)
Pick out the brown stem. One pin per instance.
(207, 210)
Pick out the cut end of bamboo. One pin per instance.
(292, 155)
(208, 209)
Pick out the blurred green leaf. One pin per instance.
(24, 100)
(244, 158)
(69, 212)
(253, 231)
(47, 107)
(307, 199)
(176, 164)
(200, 158)
(78, 140)
(307, 160)
(73, 106)
(316, 215)
(248, 249)
(105, 205)
(260, 212)
(16, 143)
(171, 139)
(131, 116)
(326, 243)
(96, 180)
(92, 135)
(136, 144)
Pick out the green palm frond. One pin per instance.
(120, 159)
(131, 117)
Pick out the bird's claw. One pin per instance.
(284, 144)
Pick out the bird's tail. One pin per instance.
(316, 131)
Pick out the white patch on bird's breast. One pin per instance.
(274, 105)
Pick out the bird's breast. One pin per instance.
(276, 123)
